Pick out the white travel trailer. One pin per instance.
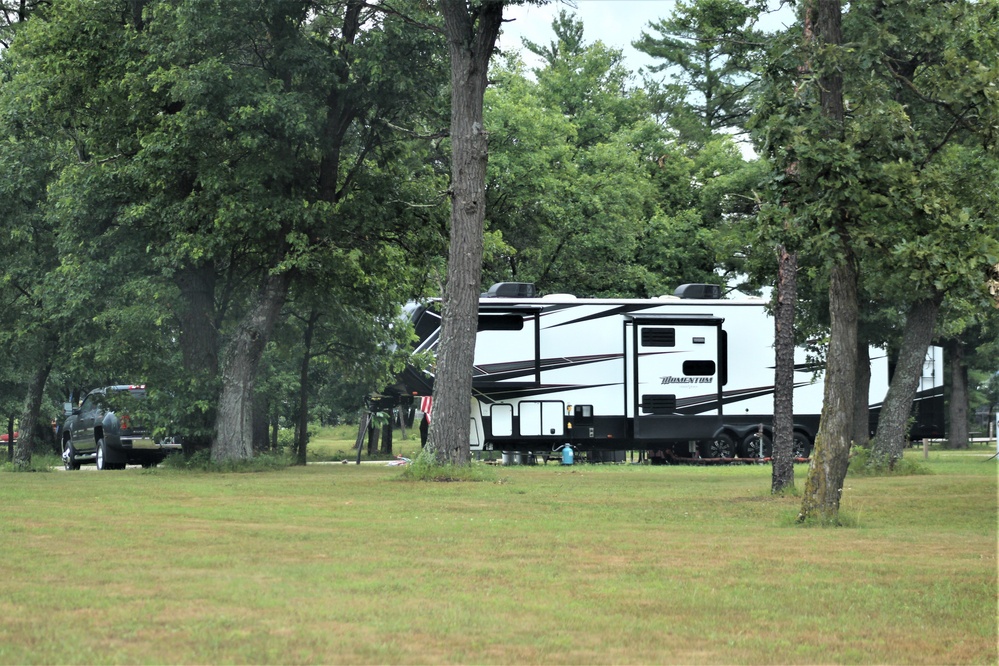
(688, 376)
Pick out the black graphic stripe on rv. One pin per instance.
(661, 353)
(498, 372)
(810, 366)
(709, 402)
(521, 393)
(732, 397)
(611, 312)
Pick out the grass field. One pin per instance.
(337, 443)
(590, 564)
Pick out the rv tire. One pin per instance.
(752, 443)
(801, 446)
(722, 446)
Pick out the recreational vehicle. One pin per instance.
(689, 375)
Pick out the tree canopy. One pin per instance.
(232, 201)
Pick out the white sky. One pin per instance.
(616, 23)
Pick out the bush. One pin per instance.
(40, 462)
(286, 438)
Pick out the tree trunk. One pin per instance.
(893, 423)
(234, 421)
(387, 438)
(136, 7)
(302, 431)
(402, 420)
(29, 434)
(374, 432)
(958, 406)
(782, 477)
(829, 30)
(471, 39)
(861, 401)
(831, 454)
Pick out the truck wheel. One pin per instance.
(69, 457)
(102, 456)
(754, 442)
(722, 446)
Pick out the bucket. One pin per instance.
(511, 458)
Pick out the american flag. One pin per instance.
(426, 404)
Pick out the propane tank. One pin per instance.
(566, 454)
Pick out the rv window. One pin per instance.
(502, 420)
(501, 323)
(658, 337)
(699, 368)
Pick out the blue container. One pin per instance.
(566, 455)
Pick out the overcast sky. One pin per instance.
(617, 23)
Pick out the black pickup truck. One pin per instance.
(102, 431)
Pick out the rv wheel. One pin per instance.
(754, 442)
(722, 446)
(801, 446)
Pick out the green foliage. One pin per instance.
(229, 142)
(589, 195)
(707, 48)
(40, 462)
(903, 183)
(899, 166)
(200, 135)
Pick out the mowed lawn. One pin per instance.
(623, 564)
